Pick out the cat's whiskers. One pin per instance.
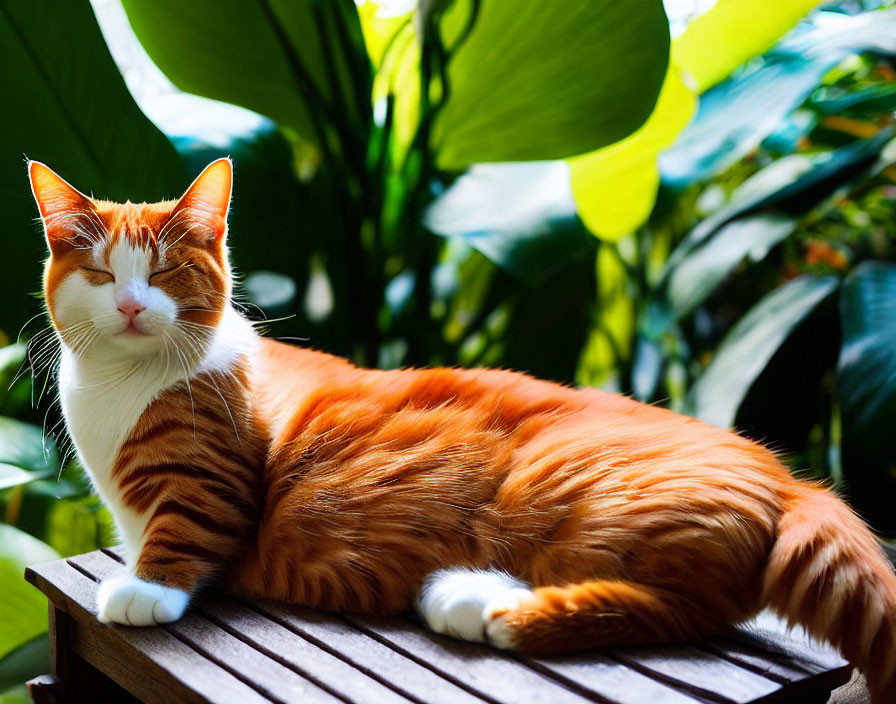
(195, 342)
(181, 356)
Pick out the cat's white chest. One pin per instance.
(101, 406)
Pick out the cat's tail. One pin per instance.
(827, 573)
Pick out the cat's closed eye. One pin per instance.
(102, 272)
(169, 270)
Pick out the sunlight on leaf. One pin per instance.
(548, 80)
(719, 41)
(615, 187)
(23, 609)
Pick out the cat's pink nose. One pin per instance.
(130, 308)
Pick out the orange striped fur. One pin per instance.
(290, 474)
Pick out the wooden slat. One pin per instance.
(765, 664)
(609, 680)
(799, 682)
(477, 668)
(367, 654)
(149, 662)
(275, 681)
(225, 649)
(700, 673)
(770, 633)
(271, 640)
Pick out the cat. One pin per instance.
(504, 509)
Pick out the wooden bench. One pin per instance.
(229, 650)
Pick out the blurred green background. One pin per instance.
(692, 203)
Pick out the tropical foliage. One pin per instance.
(704, 220)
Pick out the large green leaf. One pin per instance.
(698, 274)
(520, 216)
(749, 346)
(282, 58)
(547, 80)
(615, 187)
(720, 40)
(735, 116)
(11, 476)
(866, 372)
(23, 609)
(25, 446)
(68, 106)
(15, 385)
(23, 663)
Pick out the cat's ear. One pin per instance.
(206, 202)
(62, 206)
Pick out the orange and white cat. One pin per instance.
(505, 509)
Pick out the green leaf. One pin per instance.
(698, 274)
(15, 385)
(23, 609)
(615, 187)
(866, 371)
(11, 476)
(749, 346)
(735, 116)
(541, 80)
(782, 180)
(16, 695)
(285, 59)
(23, 663)
(720, 40)
(72, 111)
(520, 216)
(25, 446)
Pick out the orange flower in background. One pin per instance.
(821, 252)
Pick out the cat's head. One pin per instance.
(135, 278)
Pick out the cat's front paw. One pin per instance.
(131, 601)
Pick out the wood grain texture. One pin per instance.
(148, 662)
(229, 650)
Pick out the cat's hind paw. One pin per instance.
(454, 601)
(131, 601)
(499, 631)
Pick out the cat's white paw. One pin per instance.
(498, 632)
(131, 601)
(452, 601)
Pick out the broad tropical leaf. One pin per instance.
(67, 106)
(11, 476)
(546, 80)
(749, 346)
(866, 372)
(735, 116)
(615, 187)
(25, 446)
(720, 40)
(23, 609)
(521, 216)
(698, 274)
(284, 59)
(23, 663)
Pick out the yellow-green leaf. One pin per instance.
(23, 609)
(719, 41)
(615, 187)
